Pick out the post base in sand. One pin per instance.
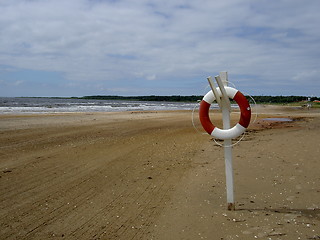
(231, 207)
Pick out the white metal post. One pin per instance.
(215, 92)
(224, 104)
(226, 109)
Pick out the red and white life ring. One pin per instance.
(239, 128)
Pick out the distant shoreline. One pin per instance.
(294, 100)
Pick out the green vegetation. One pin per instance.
(194, 98)
(174, 98)
(282, 99)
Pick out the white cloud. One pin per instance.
(18, 82)
(135, 40)
(307, 77)
(151, 77)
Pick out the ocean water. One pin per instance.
(59, 105)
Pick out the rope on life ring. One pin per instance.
(233, 132)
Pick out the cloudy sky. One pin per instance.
(163, 47)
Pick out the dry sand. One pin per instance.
(150, 175)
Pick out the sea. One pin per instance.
(12, 105)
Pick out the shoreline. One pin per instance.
(258, 107)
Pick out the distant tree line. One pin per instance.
(282, 99)
(194, 98)
(173, 98)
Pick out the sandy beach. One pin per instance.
(151, 175)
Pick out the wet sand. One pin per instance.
(150, 175)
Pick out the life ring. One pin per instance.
(233, 132)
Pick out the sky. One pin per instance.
(164, 47)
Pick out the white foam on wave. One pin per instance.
(91, 106)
